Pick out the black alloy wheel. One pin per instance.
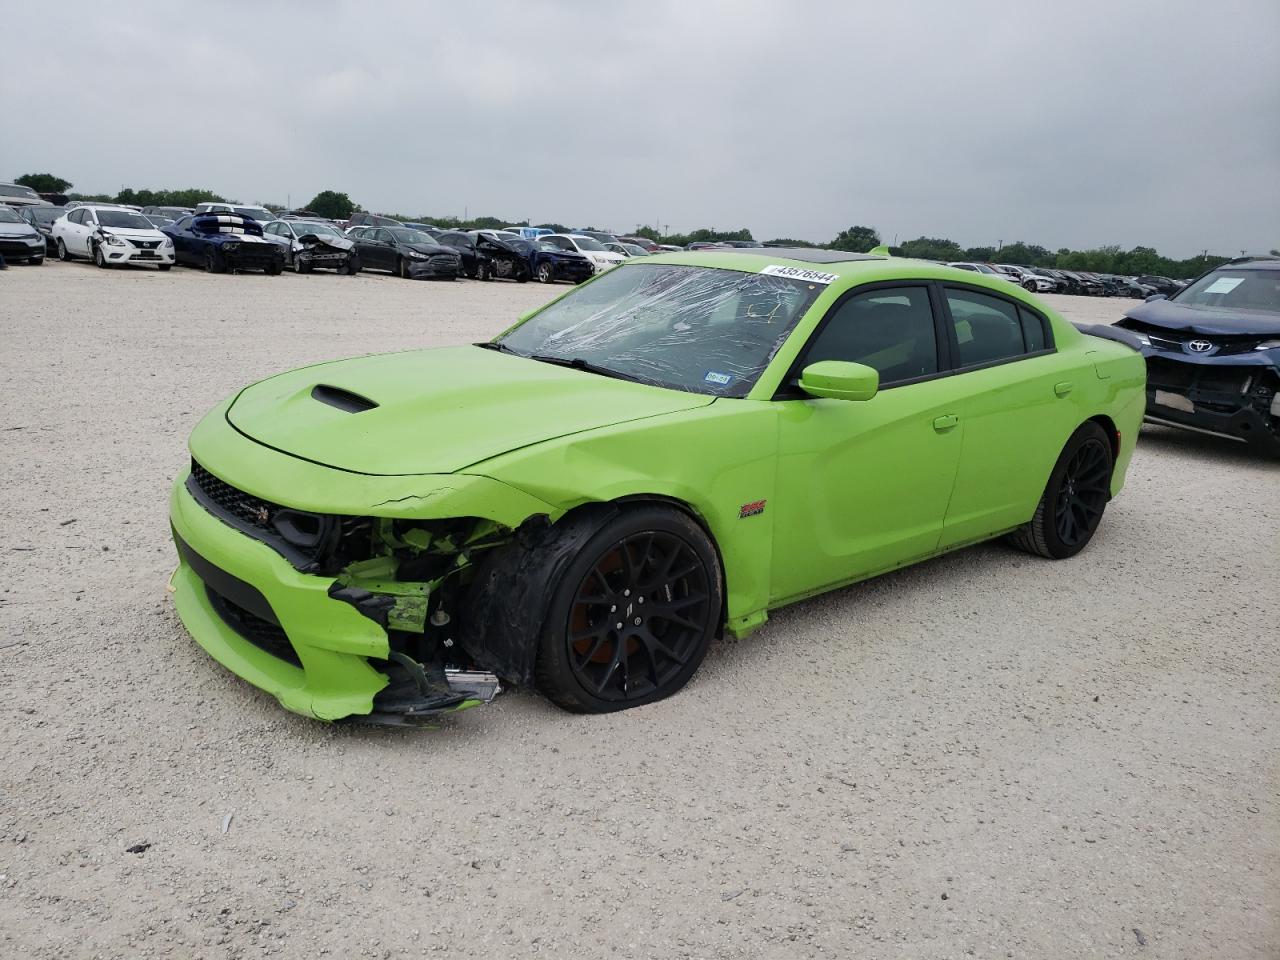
(1083, 493)
(633, 615)
(1074, 499)
(211, 264)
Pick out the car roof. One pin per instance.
(806, 254)
(1251, 263)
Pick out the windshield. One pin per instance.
(255, 213)
(586, 243)
(1228, 289)
(45, 214)
(18, 190)
(686, 328)
(8, 216)
(983, 268)
(550, 247)
(123, 219)
(410, 236)
(304, 227)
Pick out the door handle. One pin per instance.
(1063, 387)
(943, 424)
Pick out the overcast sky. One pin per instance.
(1076, 124)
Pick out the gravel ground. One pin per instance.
(986, 755)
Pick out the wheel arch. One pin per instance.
(1113, 434)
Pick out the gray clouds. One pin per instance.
(1072, 125)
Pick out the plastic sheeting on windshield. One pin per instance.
(698, 329)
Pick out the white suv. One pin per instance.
(110, 236)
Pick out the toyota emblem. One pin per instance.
(1200, 346)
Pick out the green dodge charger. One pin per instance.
(673, 449)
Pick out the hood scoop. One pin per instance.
(344, 400)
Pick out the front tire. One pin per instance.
(165, 267)
(1074, 499)
(633, 614)
(63, 255)
(402, 268)
(99, 258)
(545, 273)
(300, 266)
(211, 263)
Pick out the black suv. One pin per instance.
(1213, 353)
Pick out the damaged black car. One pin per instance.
(1213, 353)
(487, 257)
(407, 253)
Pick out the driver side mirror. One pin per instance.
(840, 380)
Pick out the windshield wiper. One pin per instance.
(493, 345)
(577, 363)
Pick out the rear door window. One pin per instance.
(990, 329)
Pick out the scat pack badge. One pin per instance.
(752, 509)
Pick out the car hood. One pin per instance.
(1173, 316)
(430, 249)
(133, 233)
(16, 229)
(324, 240)
(436, 411)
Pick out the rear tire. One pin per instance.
(1074, 499)
(633, 614)
(353, 266)
(63, 255)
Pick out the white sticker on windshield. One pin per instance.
(798, 273)
(715, 377)
(1224, 285)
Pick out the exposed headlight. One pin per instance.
(113, 240)
(35, 238)
(231, 245)
(417, 255)
(167, 242)
(1268, 345)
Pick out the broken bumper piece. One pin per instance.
(323, 646)
(420, 692)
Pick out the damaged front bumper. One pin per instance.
(326, 645)
(439, 266)
(1238, 401)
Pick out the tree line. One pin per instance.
(1138, 261)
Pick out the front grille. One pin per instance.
(318, 543)
(1172, 374)
(145, 244)
(263, 634)
(245, 507)
(443, 261)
